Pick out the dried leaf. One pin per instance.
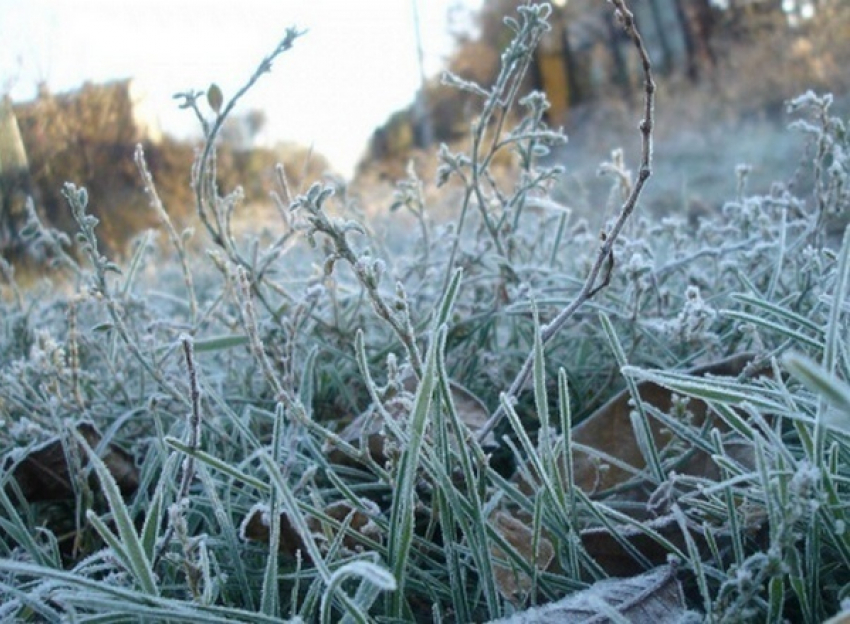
(368, 426)
(514, 583)
(366, 431)
(655, 597)
(608, 435)
(43, 473)
(256, 527)
(609, 432)
(606, 547)
(357, 520)
(471, 410)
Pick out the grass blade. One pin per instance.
(139, 565)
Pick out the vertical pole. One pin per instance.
(422, 119)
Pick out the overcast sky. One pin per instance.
(355, 66)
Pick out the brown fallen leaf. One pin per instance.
(369, 425)
(610, 429)
(840, 618)
(608, 433)
(358, 521)
(611, 549)
(655, 597)
(512, 583)
(42, 474)
(606, 457)
(256, 527)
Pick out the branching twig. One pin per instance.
(204, 184)
(204, 174)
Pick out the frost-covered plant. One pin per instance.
(230, 378)
(831, 158)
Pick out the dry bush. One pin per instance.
(88, 137)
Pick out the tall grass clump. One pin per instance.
(316, 429)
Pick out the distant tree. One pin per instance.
(746, 20)
(558, 68)
(699, 19)
(665, 60)
(616, 43)
(87, 137)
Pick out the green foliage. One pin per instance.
(230, 376)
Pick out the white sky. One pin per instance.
(355, 66)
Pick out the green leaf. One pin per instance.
(220, 343)
(816, 378)
(403, 508)
(216, 463)
(130, 544)
(215, 98)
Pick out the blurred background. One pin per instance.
(359, 96)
